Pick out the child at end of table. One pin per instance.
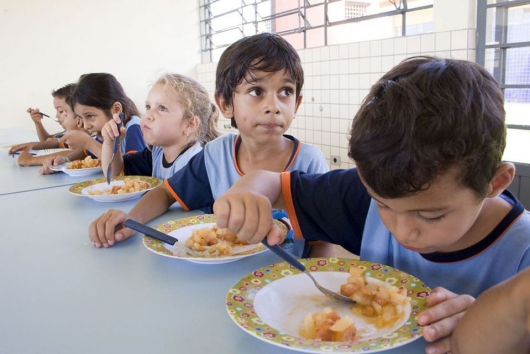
(59, 103)
(498, 322)
(258, 85)
(94, 97)
(428, 194)
(179, 120)
(69, 121)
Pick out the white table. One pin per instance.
(59, 294)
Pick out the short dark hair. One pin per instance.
(63, 92)
(261, 52)
(423, 117)
(101, 90)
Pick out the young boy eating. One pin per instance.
(427, 195)
(258, 85)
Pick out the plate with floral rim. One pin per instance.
(182, 229)
(271, 302)
(82, 189)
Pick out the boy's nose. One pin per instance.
(405, 229)
(271, 105)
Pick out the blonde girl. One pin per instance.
(179, 120)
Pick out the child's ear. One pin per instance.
(298, 102)
(116, 108)
(226, 109)
(79, 122)
(193, 124)
(501, 180)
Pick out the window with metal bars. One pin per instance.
(309, 23)
(503, 48)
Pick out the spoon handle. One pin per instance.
(149, 231)
(284, 255)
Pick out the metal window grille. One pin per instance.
(224, 21)
(503, 47)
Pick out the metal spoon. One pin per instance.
(115, 149)
(295, 263)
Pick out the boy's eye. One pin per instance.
(287, 91)
(255, 92)
(147, 107)
(162, 108)
(431, 219)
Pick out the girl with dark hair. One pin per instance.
(94, 99)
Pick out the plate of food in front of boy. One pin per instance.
(210, 244)
(79, 168)
(280, 305)
(121, 188)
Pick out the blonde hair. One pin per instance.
(195, 100)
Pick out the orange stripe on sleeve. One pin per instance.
(289, 204)
(184, 206)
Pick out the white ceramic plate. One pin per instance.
(100, 184)
(77, 172)
(182, 229)
(270, 304)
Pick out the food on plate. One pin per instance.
(379, 304)
(327, 325)
(130, 185)
(213, 241)
(88, 162)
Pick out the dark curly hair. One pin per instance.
(424, 117)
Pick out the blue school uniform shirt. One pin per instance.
(211, 172)
(335, 207)
(151, 162)
(134, 139)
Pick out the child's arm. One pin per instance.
(439, 321)
(498, 322)
(26, 159)
(108, 228)
(77, 139)
(36, 116)
(247, 206)
(35, 145)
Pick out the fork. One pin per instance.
(114, 148)
(295, 263)
(160, 236)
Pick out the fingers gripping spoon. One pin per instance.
(114, 148)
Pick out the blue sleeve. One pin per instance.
(134, 140)
(138, 164)
(191, 187)
(331, 207)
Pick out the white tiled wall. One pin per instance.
(337, 78)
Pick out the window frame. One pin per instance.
(499, 73)
(207, 32)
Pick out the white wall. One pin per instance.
(45, 44)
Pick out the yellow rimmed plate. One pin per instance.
(271, 302)
(82, 189)
(182, 229)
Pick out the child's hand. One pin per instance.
(21, 147)
(108, 229)
(110, 130)
(75, 139)
(35, 115)
(442, 317)
(249, 215)
(24, 158)
(49, 162)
